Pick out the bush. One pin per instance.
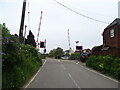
(75, 56)
(19, 61)
(106, 64)
(56, 53)
(43, 56)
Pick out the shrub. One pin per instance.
(106, 64)
(19, 61)
(74, 56)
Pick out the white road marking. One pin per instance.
(95, 72)
(98, 73)
(52, 61)
(77, 63)
(74, 81)
(67, 60)
(63, 66)
(58, 60)
(35, 74)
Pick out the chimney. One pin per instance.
(119, 9)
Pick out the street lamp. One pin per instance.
(77, 42)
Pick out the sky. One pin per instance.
(56, 20)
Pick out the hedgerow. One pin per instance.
(109, 65)
(19, 61)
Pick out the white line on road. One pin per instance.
(53, 60)
(35, 74)
(74, 81)
(98, 73)
(63, 66)
(67, 60)
(77, 63)
(58, 60)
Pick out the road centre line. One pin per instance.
(74, 81)
(94, 71)
(71, 77)
(52, 60)
(35, 74)
(63, 66)
(67, 60)
(89, 69)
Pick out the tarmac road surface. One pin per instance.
(69, 74)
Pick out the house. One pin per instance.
(111, 34)
(111, 40)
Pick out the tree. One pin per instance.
(57, 53)
(30, 39)
(52, 53)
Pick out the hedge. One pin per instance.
(19, 61)
(109, 65)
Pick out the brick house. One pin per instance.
(111, 34)
(111, 40)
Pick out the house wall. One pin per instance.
(112, 51)
(112, 41)
(118, 36)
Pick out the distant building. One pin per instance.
(69, 51)
(111, 40)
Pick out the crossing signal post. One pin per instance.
(79, 47)
(42, 44)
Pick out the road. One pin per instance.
(69, 74)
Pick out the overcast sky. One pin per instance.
(57, 20)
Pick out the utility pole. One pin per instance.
(21, 38)
(24, 34)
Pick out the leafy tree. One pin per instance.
(30, 39)
(57, 53)
(52, 53)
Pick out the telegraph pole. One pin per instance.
(24, 34)
(21, 38)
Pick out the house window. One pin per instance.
(112, 33)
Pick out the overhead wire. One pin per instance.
(80, 13)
